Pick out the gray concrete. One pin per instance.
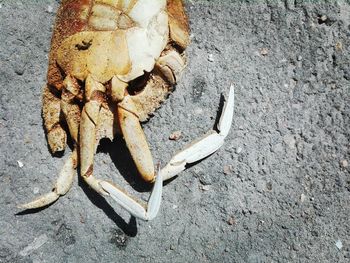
(277, 191)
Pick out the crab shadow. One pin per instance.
(124, 163)
(129, 228)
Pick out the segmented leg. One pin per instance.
(171, 64)
(196, 151)
(135, 139)
(204, 146)
(56, 136)
(94, 92)
(94, 95)
(51, 110)
(70, 109)
(178, 23)
(133, 206)
(61, 187)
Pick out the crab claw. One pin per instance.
(204, 146)
(131, 205)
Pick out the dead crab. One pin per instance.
(112, 63)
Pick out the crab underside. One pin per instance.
(112, 63)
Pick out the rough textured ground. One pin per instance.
(277, 191)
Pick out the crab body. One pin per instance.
(98, 49)
(111, 64)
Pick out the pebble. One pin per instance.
(49, 9)
(228, 169)
(264, 51)
(175, 135)
(344, 163)
(339, 46)
(269, 186)
(36, 190)
(20, 164)
(239, 150)
(19, 70)
(323, 18)
(302, 198)
(231, 221)
(211, 57)
(205, 187)
(339, 244)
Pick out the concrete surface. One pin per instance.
(277, 191)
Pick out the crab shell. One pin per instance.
(122, 38)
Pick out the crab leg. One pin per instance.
(94, 92)
(69, 108)
(135, 139)
(131, 205)
(89, 119)
(62, 185)
(56, 136)
(204, 146)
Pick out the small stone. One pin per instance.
(205, 187)
(228, 169)
(36, 190)
(264, 51)
(269, 186)
(172, 247)
(19, 70)
(231, 221)
(339, 244)
(20, 164)
(49, 9)
(299, 58)
(175, 206)
(302, 198)
(339, 46)
(239, 150)
(344, 163)
(175, 135)
(211, 58)
(323, 18)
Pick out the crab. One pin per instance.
(112, 63)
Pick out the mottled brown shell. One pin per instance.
(152, 88)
